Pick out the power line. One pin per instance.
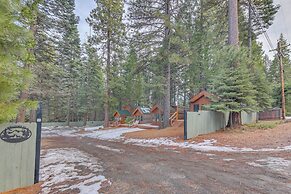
(261, 26)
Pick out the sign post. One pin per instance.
(38, 142)
(185, 125)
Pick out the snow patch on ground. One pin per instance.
(273, 163)
(58, 131)
(109, 148)
(206, 146)
(210, 155)
(93, 128)
(95, 133)
(110, 134)
(63, 170)
(228, 159)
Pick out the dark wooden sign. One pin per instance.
(15, 134)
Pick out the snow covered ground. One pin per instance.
(58, 131)
(96, 132)
(273, 163)
(93, 128)
(64, 170)
(207, 145)
(109, 148)
(117, 134)
(110, 134)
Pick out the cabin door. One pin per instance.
(196, 107)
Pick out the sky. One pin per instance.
(83, 8)
(282, 22)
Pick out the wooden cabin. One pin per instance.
(127, 107)
(176, 113)
(157, 114)
(143, 115)
(121, 115)
(198, 101)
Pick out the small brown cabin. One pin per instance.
(142, 114)
(121, 115)
(199, 100)
(157, 113)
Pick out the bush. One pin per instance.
(129, 120)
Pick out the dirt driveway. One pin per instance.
(129, 168)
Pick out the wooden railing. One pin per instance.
(173, 118)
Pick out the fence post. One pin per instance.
(38, 142)
(185, 125)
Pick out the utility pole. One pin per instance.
(280, 54)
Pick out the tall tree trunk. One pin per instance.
(234, 119)
(48, 110)
(21, 114)
(167, 92)
(201, 47)
(233, 39)
(85, 118)
(250, 30)
(167, 97)
(233, 33)
(107, 92)
(32, 117)
(24, 94)
(69, 111)
(94, 116)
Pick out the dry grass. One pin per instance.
(34, 189)
(264, 124)
(157, 133)
(262, 136)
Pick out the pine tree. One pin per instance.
(263, 14)
(232, 87)
(209, 34)
(16, 42)
(152, 23)
(131, 81)
(259, 77)
(45, 67)
(69, 54)
(90, 87)
(108, 31)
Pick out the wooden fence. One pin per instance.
(273, 114)
(203, 122)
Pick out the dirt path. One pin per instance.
(135, 169)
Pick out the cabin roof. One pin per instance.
(122, 113)
(157, 106)
(200, 95)
(143, 110)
